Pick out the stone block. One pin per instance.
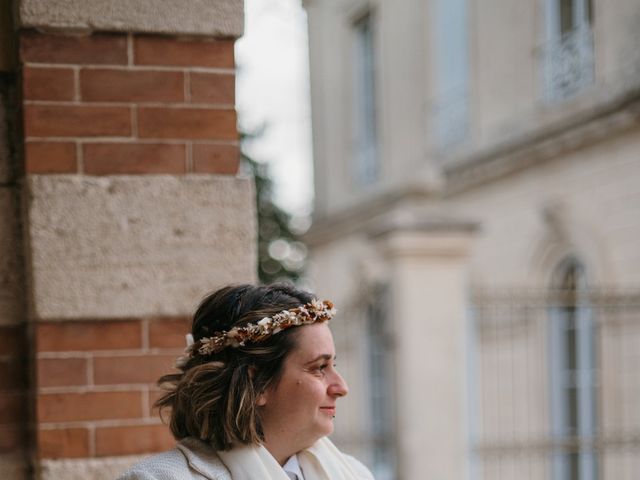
(80, 469)
(222, 18)
(133, 246)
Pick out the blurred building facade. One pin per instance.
(477, 219)
(120, 209)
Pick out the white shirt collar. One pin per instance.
(292, 468)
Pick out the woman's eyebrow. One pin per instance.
(324, 356)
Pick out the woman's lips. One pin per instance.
(329, 410)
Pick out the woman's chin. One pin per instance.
(329, 428)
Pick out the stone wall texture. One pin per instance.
(223, 18)
(121, 246)
(97, 469)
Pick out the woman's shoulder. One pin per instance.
(190, 459)
(163, 466)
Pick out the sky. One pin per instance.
(272, 90)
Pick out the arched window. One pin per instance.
(573, 376)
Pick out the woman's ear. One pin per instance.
(261, 401)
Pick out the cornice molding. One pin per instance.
(542, 144)
(595, 121)
(360, 216)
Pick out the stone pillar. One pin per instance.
(132, 211)
(428, 279)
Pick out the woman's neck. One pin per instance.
(280, 451)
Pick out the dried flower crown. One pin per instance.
(312, 312)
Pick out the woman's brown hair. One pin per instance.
(213, 397)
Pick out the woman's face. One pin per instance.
(302, 405)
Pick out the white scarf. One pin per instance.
(322, 461)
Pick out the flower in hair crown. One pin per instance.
(312, 312)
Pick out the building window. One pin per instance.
(380, 387)
(366, 161)
(573, 377)
(568, 53)
(450, 108)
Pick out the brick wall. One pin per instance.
(107, 104)
(96, 385)
(13, 399)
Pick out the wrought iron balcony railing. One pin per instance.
(568, 64)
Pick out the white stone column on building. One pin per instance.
(428, 277)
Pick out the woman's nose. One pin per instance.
(338, 387)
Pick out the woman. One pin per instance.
(256, 393)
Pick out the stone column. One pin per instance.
(132, 211)
(428, 278)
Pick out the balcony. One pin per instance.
(568, 65)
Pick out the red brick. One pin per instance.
(76, 121)
(63, 443)
(13, 374)
(114, 158)
(188, 123)
(12, 340)
(48, 83)
(157, 50)
(86, 336)
(131, 85)
(88, 49)
(223, 159)
(213, 88)
(133, 440)
(13, 408)
(13, 438)
(50, 157)
(169, 333)
(153, 396)
(138, 369)
(58, 372)
(67, 407)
